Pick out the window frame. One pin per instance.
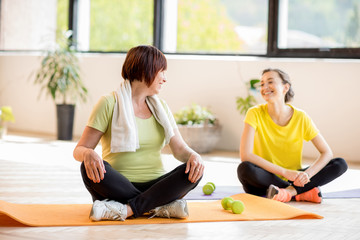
(73, 19)
(272, 51)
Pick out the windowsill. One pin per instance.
(174, 56)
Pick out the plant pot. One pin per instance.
(201, 138)
(65, 121)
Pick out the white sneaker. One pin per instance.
(175, 209)
(108, 210)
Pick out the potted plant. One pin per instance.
(6, 116)
(59, 75)
(244, 103)
(199, 127)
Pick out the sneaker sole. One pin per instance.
(319, 195)
(271, 192)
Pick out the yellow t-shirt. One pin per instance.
(281, 145)
(143, 165)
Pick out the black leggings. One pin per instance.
(256, 180)
(141, 197)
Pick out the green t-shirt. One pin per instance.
(281, 145)
(143, 165)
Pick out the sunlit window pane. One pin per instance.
(117, 25)
(27, 25)
(219, 26)
(319, 24)
(62, 17)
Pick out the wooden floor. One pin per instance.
(37, 170)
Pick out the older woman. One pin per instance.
(133, 125)
(271, 147)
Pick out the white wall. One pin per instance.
(326, 89)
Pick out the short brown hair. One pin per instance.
(142, 63)
(285, 80)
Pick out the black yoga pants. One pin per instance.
(256, 180)
(141, 197)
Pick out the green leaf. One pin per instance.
(6, 114)
(243, 104)
(253, 83)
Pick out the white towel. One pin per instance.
(124, 132)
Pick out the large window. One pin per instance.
(319, 24)
(270, 28)
(218, 26)
(313, 28)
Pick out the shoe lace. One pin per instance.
(160, 211)
(174, 209)
(112, 212)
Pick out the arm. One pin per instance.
(183, 153)
(84, 152)
(246, 154)
(325, 156)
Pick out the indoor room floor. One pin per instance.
(42, 170)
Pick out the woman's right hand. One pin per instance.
(94, 165)
(291, 174)
(84, 152)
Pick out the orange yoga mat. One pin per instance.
(46, 215)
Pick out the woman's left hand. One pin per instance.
(195, 167)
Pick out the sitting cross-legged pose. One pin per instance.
(272, 143)
(133, 125)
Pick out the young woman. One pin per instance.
(133, 125)
(272, 143)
